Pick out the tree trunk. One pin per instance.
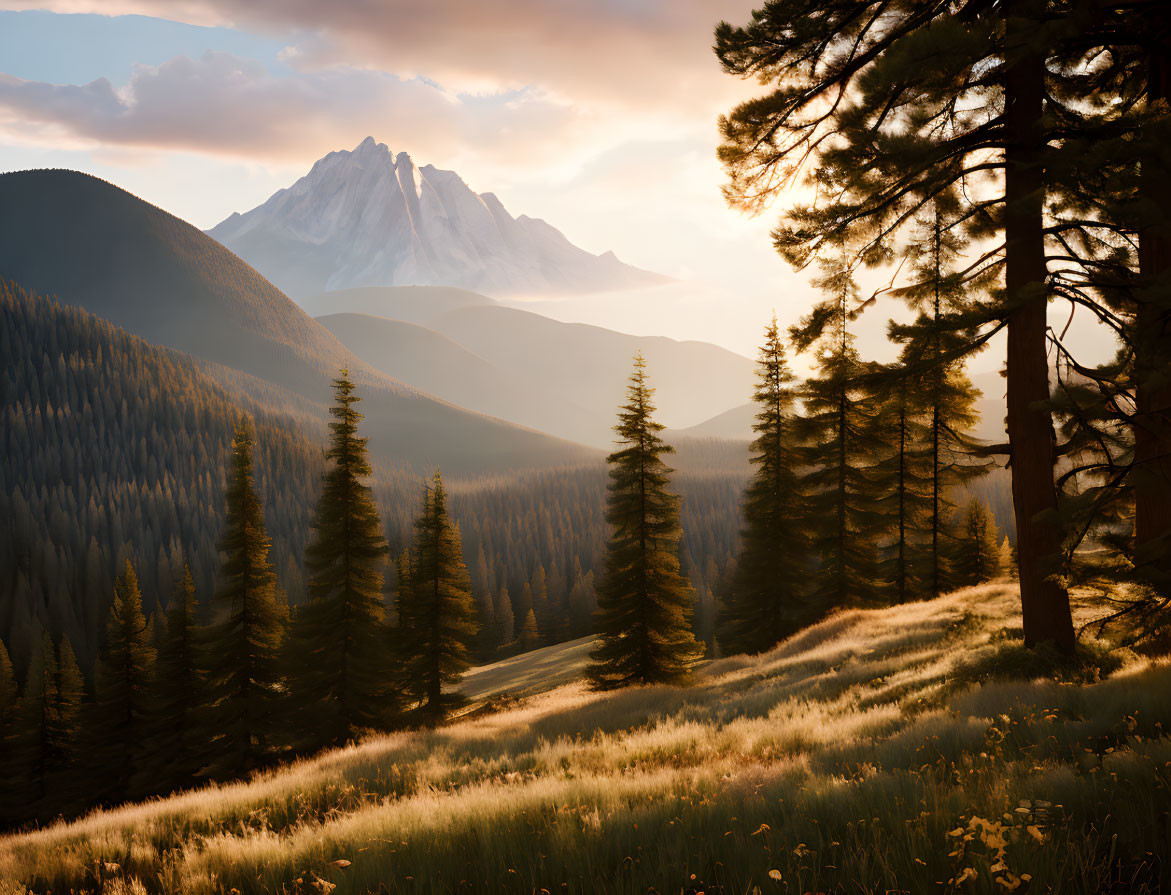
(1152, 424)
(1044, 602)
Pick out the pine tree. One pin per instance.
(436, 611)
(70, 792)
(242, 653)
(542, 611)
(342, 676)
(528, 637)
(765, 602)
(505, 618)
(11, 805)
(176, 753)
(911, 90)
(904, 475)
(978, 551)
(837, 431)
(644, 604)
(48, 734)
(122, 687)
(38, 753)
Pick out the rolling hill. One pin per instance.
(368, 217)
(564, 378)
(96, 246)
(899, 749)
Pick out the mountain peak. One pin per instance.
(369, 146)
(386, 221)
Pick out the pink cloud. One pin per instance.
(223, 104)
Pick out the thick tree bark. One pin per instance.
(1044, 602)
(1152, 423)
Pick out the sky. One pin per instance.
(599, 116)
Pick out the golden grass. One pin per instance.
(877, 751)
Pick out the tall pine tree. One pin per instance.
(888, 106)
(644, 604)
(176, 750)
(840, 444)
(342, 680)
(765, 601)
(436, 612)
(932, 361)
(242, 651)
(123, 690)
(11, 805)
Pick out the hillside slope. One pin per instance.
(96, 246)
(877, 751)
(564, 378)
(112, 450)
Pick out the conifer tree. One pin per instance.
(941, 452)
(436, 611)
(904, 477)
(342, 680)
(176, 753)
(644, 604)
(837, 431)
(69, 728)
(10, 767)
(528, 637)
(542, 610)
(978, 550)
(765, 602)
(39, 755)
(48, 733)
(582, 605)
(123, 686)
(505, 618)
(891, 105)
(242, 653)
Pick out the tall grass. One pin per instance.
(886, 750)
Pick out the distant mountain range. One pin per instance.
(564, 378)
(97, 247)
(369, 218)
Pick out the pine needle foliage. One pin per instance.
(123, 688)
(889, 105)
(436, 612)
(243, 643)
(929, 408)
(766, 599)
(341, 670)
(978, 554)
(179, 694)
(11, 781)
(840, 444)
(644, 604)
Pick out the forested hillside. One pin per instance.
(95, 246)
(115, 449)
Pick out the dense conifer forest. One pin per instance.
(117, 450)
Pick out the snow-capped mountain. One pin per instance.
(370, 218)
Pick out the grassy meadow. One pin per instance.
(907, 749)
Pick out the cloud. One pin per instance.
(223, 104)
(631, 54)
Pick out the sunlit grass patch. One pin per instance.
(862, 755)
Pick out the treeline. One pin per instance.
(851, 505)
(176, 701)
(116, 450)
(857, 471)
(1037, 131)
